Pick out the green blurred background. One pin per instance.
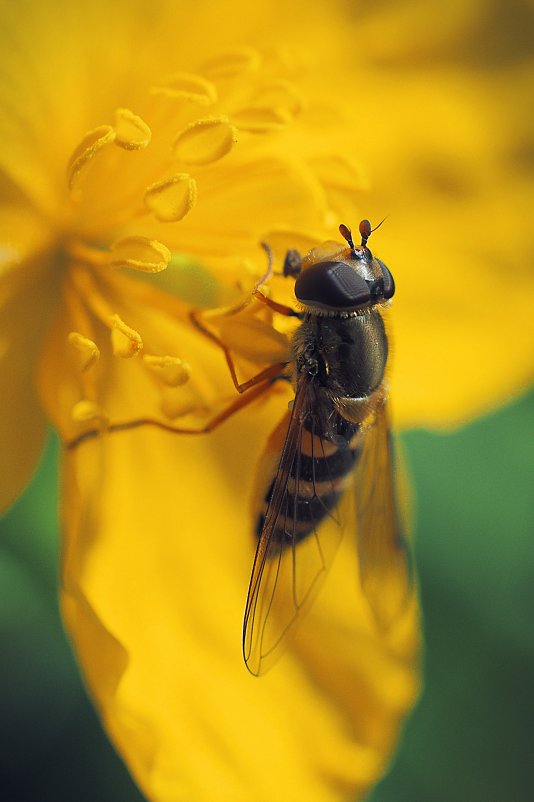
(469, 739)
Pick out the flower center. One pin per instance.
(145, 189)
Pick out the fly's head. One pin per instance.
(337, 280)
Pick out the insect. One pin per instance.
(334, 474)
(337, 443)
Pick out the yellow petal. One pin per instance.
(258, 196)
(173, 198)
(175, 405)
(205, 141)
(24, 301)
(27, 286)
(160, 639)
(466, 362)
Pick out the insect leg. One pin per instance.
(272, 372)
(239, 403)
(282, 309)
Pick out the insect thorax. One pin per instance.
(348, 355)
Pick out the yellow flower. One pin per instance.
(147, 151)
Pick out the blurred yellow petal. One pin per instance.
(22, 421)
(168, 674)
(453, 324)
(26, 289)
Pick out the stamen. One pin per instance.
(279, 94)
(89, 147)
(85, 411)
(234, 62)
(171, 370)
(140, 253)
(132, 133)
(205, 141)
(186, 86)
(88, 351)
(261, 119)
(86, 254)
(126, 342)
(170, 200)
(81, 338)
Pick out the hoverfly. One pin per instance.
(337, 442)
(335, 470)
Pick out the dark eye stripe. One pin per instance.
(333, 284)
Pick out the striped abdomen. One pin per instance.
(324, 458)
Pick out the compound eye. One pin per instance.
(389, 284)
(335, 285)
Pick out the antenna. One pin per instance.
(346, 233)
(366, 230)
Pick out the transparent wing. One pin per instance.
(385, 566)
(301, 531)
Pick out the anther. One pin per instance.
(132, 133)
(89, 147)
(140, 253)
(171, 199)
(261, 119)
(87, 350)
(205, 141)
(186, 86)
(85, 411)
(171, 370)
(126, 342)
